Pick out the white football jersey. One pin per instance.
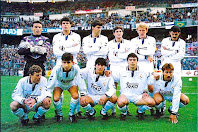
(118, 52)
(66, 43)
(131, 82)
(143, 48)
(98, 85)
(66, 78)
(175, 50)
(94, 48)
(172, 88)
(25, 89)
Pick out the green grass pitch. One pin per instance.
(187, 119)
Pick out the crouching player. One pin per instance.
(65, 77)
(101, 90)
(133, 88)
(31, 94)
(168, 87)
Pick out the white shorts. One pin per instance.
(133, 98)
(65, 86)
(95, 98)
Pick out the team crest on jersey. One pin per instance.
(40, 88)
(173, 87)
(141, 76)
(104, 83)
(40, 42)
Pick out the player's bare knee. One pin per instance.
(14, 105)
(121, 102)
(151, 102)
(46, 105)
(150, 88)
(56, 99)
(113, 99)
(185, 99)
(75, 96)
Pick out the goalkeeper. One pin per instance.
(34, 48)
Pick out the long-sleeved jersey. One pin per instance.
(94, 48)
(66, 78)
(35, 41)
(66, 43)
(172, 88)
(144, 48)
(118, 52)
(175, 50)
(25, 89)
(98, 85)
(131, 82)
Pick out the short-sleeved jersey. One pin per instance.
(118, 52)
(66, 43)
(172, 88)
(98, 85)
(25, 89)
(131, 82)
(175, 50)
(66, 78)
(95, 47)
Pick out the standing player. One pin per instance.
(34, 48)
(118, 51)
(173, 49)
(144, 46)
(31, 94)
(65, 77)
(66, 41)
(168, 87)
(95, 44)
(133, 87)
(101, 90)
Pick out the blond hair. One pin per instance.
(142, 25)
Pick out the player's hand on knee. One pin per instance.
(30, 102)
(173, 118)
(102, 100)
(145, 95)
(83, 101)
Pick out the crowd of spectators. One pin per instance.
(12, 62)
(170, 15)
(61, 7)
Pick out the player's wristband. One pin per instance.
(48, 97)
(146, 57)
(82, 94)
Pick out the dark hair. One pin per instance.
(66, 19)
(35, 68)
(100, 61)
(175, 29)
(118, 27)
(132, 55)
(96, 22)
(37, 22)
(167, 66)
(67, 57)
